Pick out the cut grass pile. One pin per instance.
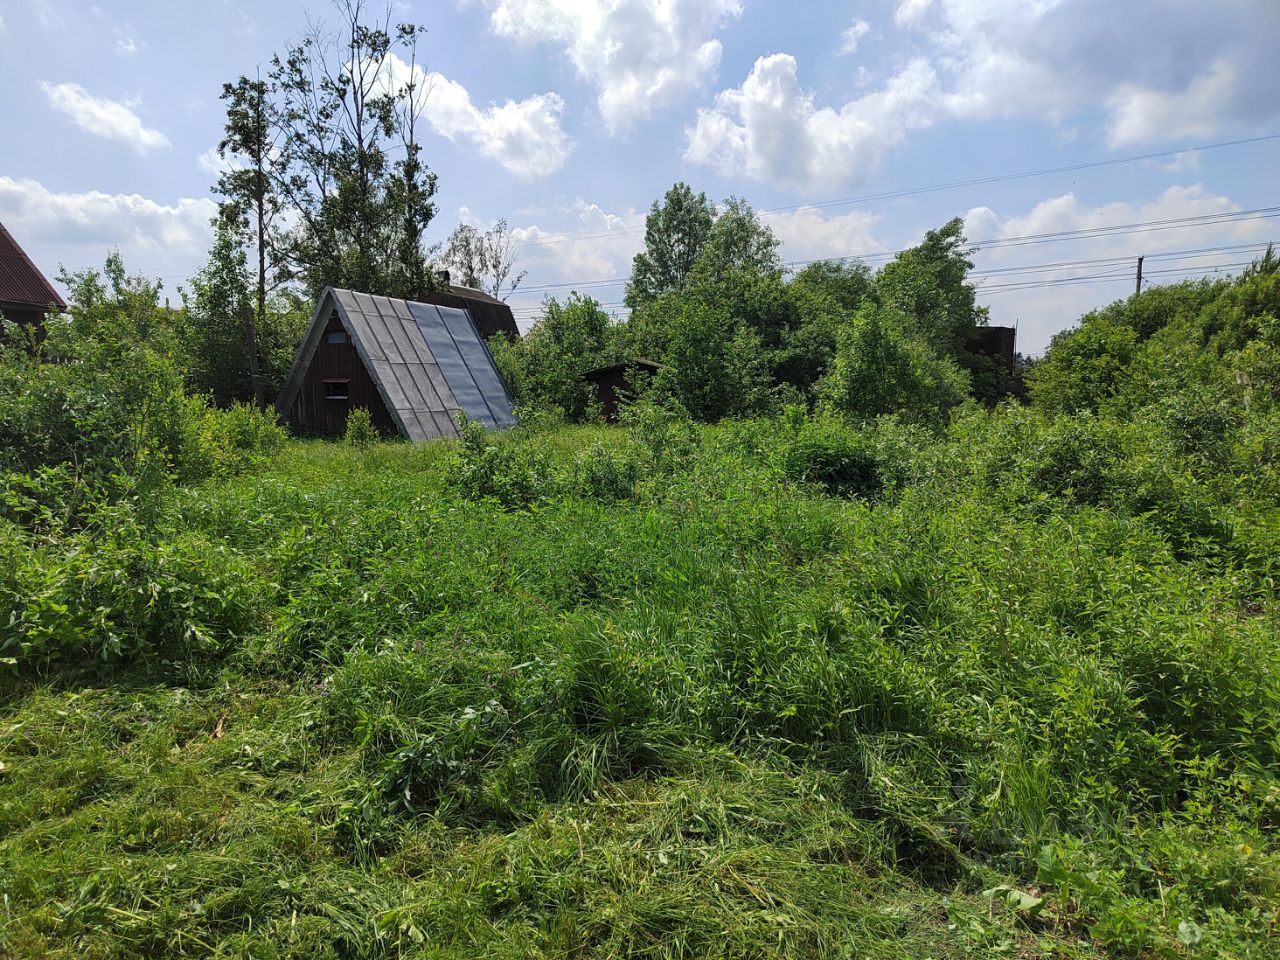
(654, 693)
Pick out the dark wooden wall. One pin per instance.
(315, 414)
(995, 342)
(615, 384)
(25, 316)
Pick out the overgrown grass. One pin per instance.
(774, 689)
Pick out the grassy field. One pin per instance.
(772, 689)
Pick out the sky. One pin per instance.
(854, 126)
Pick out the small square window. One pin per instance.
(337, 336)
(337, 389)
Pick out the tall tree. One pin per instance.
(348, 102)
(674, 234)
(739, 242)
(484, 260)
(929, 284)
(250, 186)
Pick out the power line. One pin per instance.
(931, 188)
(1115, 275)
(1122, 271)
(1084, 233)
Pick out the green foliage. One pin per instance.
(113, 409)
(710, 368)
(675, 232)
(928, 284)
(842, 462)
(489, 469)
(882, 366)
(359, 431)
(343, 161)
(544, 368)
(1001, 685)
(211, 333)
(1083, 366)
(739, 244)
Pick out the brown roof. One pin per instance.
(20, 281)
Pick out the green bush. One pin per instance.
(843, 462)
(882, 367)
(491, 469)
(117, 591)
(360, 431)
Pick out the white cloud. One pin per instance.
(103, 117)
(640, 55)
(125, 45)
(78, 229)
(810, 233)
(1159, 68)
(770, 128)
(1042, 312)
(1139, 116)
(1185, 162)
(600, 246)
(1143, 71)
(49, 16)
(850, 39)
(212, 163)
(524, 136)
(911, 11)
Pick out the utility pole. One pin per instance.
(1139, 289)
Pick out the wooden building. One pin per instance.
(994, 342)
(616, 383)
(412, 365)
(26, 297)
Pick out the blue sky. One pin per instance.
(568, 117)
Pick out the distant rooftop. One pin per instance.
(20, 282)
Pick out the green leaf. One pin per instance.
(1189, 933)
(1017, 900)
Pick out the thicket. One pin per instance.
(997, 683)
(738, 337)
(96, 427)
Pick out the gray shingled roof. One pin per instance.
(428, 362)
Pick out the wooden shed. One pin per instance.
(412, 365)
(616, 383)
(26, 296)
(998, 343)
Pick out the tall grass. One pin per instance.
(777, 688)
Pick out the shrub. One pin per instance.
(513, 476)
(841, 461)
(604, 474)
(114, 407)
(665, 433)
(359, 432)
(118, 592)
(883, 367)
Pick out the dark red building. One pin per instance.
(26, 297)
(616, 383)
(998, 343)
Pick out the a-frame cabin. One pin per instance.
(412, 365)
